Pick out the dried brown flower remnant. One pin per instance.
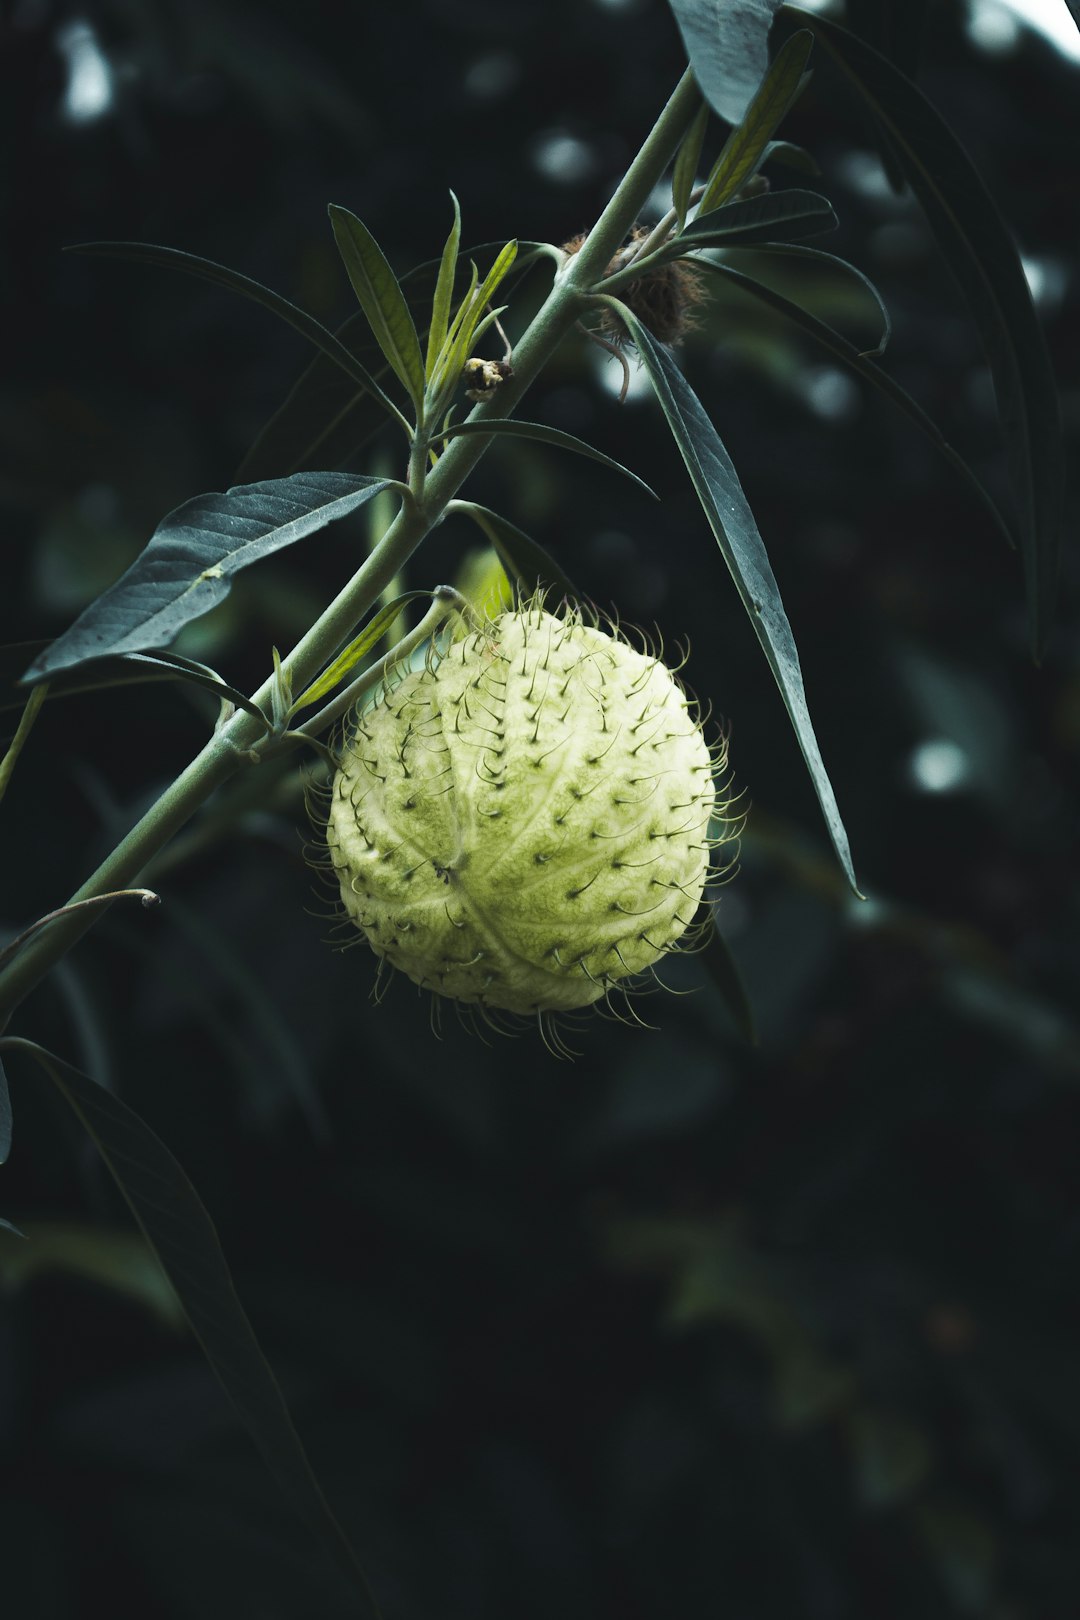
(664, 299)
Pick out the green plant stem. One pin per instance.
(230, 748)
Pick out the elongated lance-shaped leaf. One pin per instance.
(746, 144)
(185, 1243)
(773, 217)
(984, 259)
(525, 561)
(863, 366)
(444, 292)
(444, 367)
(26, 724)
(791, 250)
(684, 173)
(732, 522)
(298, 319)
(382, 301)
(727, 46)
(186, 567)
(358, 648)
(514, 429)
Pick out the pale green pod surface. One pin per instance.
(525, 822)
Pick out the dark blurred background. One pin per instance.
(688, 1327)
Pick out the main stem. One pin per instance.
(228, 750)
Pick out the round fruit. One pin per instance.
(524, 822)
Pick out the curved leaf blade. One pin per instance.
(727, 46)
(732, 522)
(793, 250)
(381, 300)
(207, 270)
(984, 260)
(526, 562)
(745, 147)
(514, 429)
(769, 218)
(5, 1121)
(183, 1239)
(350, 656)
(860, 363)
(185, 568)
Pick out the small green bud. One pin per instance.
(524, 823)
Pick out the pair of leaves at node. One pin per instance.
(182, 1237)
(726, 43)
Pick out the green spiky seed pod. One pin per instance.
(524, 822)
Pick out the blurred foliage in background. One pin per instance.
(688, 1327)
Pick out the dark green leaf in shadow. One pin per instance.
(727, 46)
(185, 568)
(723, 970)
(5, 1118)
(852, 357)
(526, 563)
(774, 217)
(984, 259)
(514, 429)
(183, 1238)
(794, 250)
(745, 146)
(298, 319)
(793, 157)
(381, 299)
(732, 522)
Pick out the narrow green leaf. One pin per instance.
(546, 435)
(381, 300)
(985, 262)
(686, 163)
(182, 1237)
(773, 217)
(864, 367)
(527, 564)
(745, 146)
(186, 669)
(186, 567)
(460, 343)
(444, 290)
(732, 522)
(25, 726)
(8, 1227)
(5, 1121)
(723, 970)
(206, 270)
(727, 46)
(350, 656)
